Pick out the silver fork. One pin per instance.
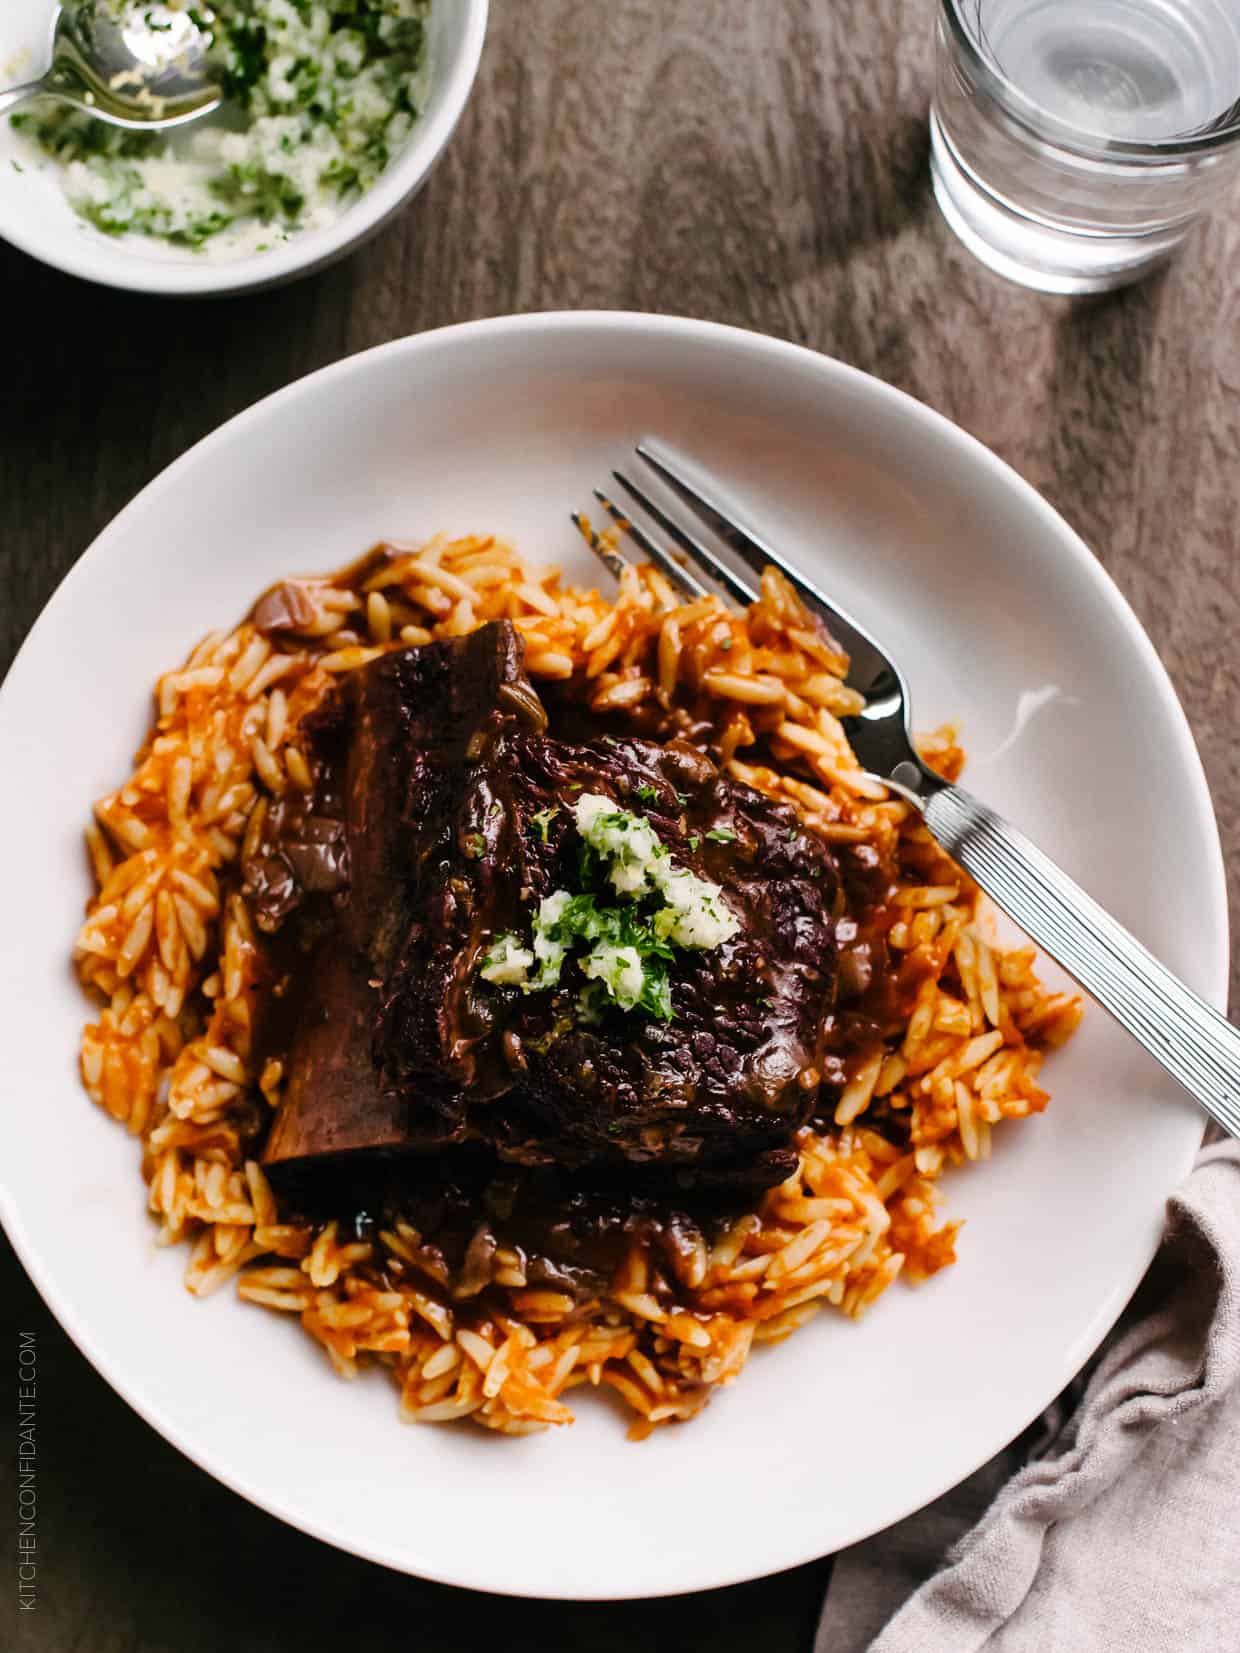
(1196, 1045)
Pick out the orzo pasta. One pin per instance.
(170, 950)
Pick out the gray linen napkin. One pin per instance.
(1112, 1524)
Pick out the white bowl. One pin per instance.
(1003, 618)
(35, 214)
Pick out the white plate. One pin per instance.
(1003, 619)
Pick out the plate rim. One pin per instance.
(705, 1576)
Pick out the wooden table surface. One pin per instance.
(757, 163)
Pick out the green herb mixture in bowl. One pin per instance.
(336, 112)
(319, 99)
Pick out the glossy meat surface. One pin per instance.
(452, 817)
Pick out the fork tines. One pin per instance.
(701, 497)
(686, 583)
(720, 579)
(611, 557)
(690, 545)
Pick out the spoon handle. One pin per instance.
(19, 94)
(1191, 1040)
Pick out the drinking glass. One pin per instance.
(1075, 142)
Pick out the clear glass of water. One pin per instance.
(1075, 142)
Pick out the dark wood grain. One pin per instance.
(763, 164)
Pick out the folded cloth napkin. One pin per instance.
(1114, 1523)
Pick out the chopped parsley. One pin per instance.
(624, 960)
(621, 930)
(647, 793)
(318, 97)
(542, 821)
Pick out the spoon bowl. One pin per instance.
(144, 67)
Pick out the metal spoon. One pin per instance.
(139, 64)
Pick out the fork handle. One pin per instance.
(1196, 1045)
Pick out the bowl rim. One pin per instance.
(309, 250)
(1214, 970)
